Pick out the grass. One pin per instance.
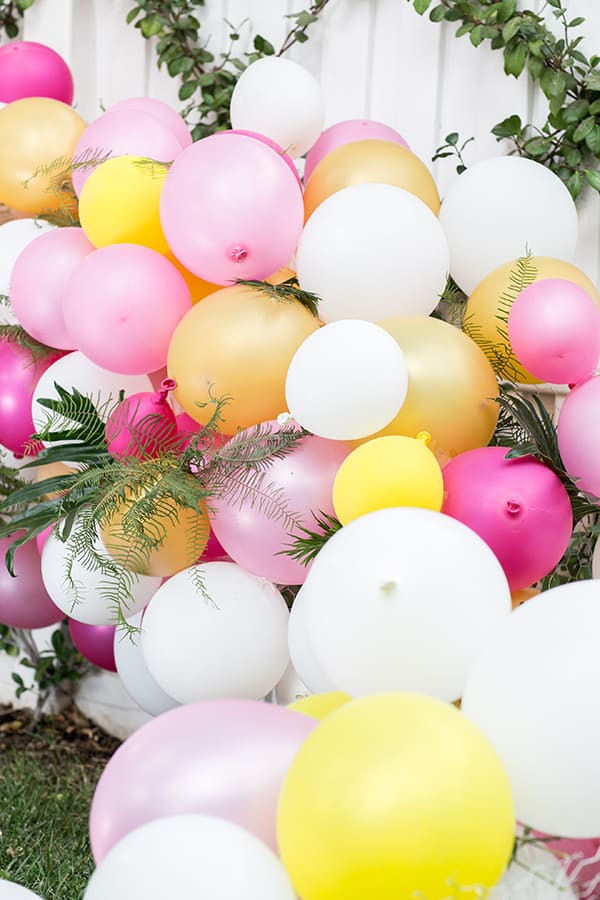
(48, 773)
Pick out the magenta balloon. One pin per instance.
(270, 143)
(347, 133)
(231, 208)
(225, 758)
(24, 602)
(42, 538)
(213, 552)
(123, 132)
(19, 374)
(28, 69)
(39, 278)
(304, 478)
(95, 642)
(554, 331)
(161, 111)
(122, 305)
(142, 425)
(518, 506)
(579, 435)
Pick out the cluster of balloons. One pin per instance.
(374, 784)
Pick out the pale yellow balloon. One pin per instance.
(488, 308)
(318, 706)
(366, 162)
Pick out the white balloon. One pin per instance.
(85, 595)
(188, 858)
(215, 631)
(347, 380)
(534, 874)
(302, 655)
(372, 251)
(501, 207)
(402, 599)
(290, 687)
(14, 237)
(534, 692)
(133, 672)
(9, 890)
(282, 100)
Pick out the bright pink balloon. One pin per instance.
(304, 479)
(554, 330)
(231, 208)
(28, 69)
(39, 278)
(270, 143)
(142, 425)
(225, 758)
(161, 111)
(214, 552)
(24, 602)
(347, 133)
(123, 132)
(19, 374)
(518, 506)
(122, 305)
(95, 642)
(579, 435)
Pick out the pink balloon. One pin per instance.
(24, 602)
(122, 305)
(270, 143)
(39, 278)
(28, 69)
(554, 330)
(231, 208)
(161, 111)
(226, 758)
(142, 425)
(518, 506)
(579, 435)
(123, 132)
(214, 552)
(304, 479)
(19, 374)
(347, 133)
(95, 643)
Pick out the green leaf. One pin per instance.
(510, 127)
(506, 10)
(583, 129)
(592, 140)
(151, 25)
(421, 6)
(553, 83)
(573, 156)
(188, 89)
(511, 28)
(575, 184)
(514, 58)
(452, 138)
(437, 14)
(593, 178)
(263, 46)
(464, 29)
(133, 14)
(535, 67)
(594, 108)
(593, 81)
(476, 35)
(574, 23)
(537, 146)
(575, 111)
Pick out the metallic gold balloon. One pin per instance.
(362, 162)
(486, 315)
(37, 139)
(451, 387)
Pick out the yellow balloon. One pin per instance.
(37, 139)
(395, 797)
(120, 203)
(388, 471)
(451, 387)
(318, 706)
(489, 305)
(237, 343)
(363, 162)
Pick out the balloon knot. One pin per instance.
(238, 254)
(513, 507)
(388, 587)
(425, 437)
(166, 385)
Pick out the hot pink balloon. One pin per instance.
(28, 69)
(554, 330)
(24, 602)
(579, 435)
(518, 506)
(270, 143)
(231, 208)
(214, 552)
(142, 425)
(122, 305)
(20, 371)
(161, 111)
(122, 132)
(303, 480)
(95, 643)
(39, 278)
(225, 758)
(347, 133)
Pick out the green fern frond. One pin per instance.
(288, 291)
(75, 417)
(253, 489)
(523, 274)
(154, 168)
(16, 334)
(308, 543)
(255, 447)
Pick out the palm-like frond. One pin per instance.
(287, 291)
(305, 547)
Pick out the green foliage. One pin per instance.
(307, 545)
(286, 291)
(52, 670)
(451, 147)
(11, 14)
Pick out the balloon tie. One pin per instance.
(513, 507)
(388, 587)
(238, 254)
(425, 437)
(166, 385)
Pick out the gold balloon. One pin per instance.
(198, 288)
(37, 139)
(451, 387)
(52, 470)
(363, 162)
(489, 305)
(522, 595)
(238, 343)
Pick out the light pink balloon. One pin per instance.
(24, 602)
(304, 479)
(231, 208)
(270, 143)
(579, 435)
(554, 331)
(122, 305)
(123, 132)
(161, 111)
(347, 133)
(39, 278)
(20, 371)
(225, 758)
